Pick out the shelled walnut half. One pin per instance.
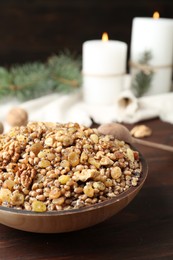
(140, 131)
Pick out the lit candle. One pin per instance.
(151, 54)
(104, 67)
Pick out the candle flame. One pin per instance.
(105, 37)
(156, 15)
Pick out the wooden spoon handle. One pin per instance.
(154, 145)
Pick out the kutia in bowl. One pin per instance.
(64, 177)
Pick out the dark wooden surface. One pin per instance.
(143, 230)
(35, 29)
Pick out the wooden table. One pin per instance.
(143, 230)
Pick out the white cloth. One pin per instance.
(144, 108)
(71, 108)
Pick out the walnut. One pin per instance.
(140, 131)
(17, 117)
(27, 176)
(1, 128)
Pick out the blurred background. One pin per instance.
(35, 29)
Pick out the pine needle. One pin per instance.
(62, 73)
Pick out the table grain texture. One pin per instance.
(143, 230)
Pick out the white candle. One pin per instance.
(154, 36)
(104, 66)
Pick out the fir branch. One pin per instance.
(62, 73)
(5, 82)
(142, 80)
(64, 70)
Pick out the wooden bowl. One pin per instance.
(70, 220)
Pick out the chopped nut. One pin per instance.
(67, 141)
(85, 174)
(65, 163)
(83, 158)
(106, 161)
(140, 131)
(94, 138)
(58, 201)
(130, 154)
(99, 185)
(35, 148)
(116, 172)
(17, 199)
(49, 141)
(50, 156)
(94, 162)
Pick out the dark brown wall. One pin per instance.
(32, 30)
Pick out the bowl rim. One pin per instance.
(107, 202)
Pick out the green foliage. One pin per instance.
(142, 80)
(62, 73)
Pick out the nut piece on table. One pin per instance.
(140, 131)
